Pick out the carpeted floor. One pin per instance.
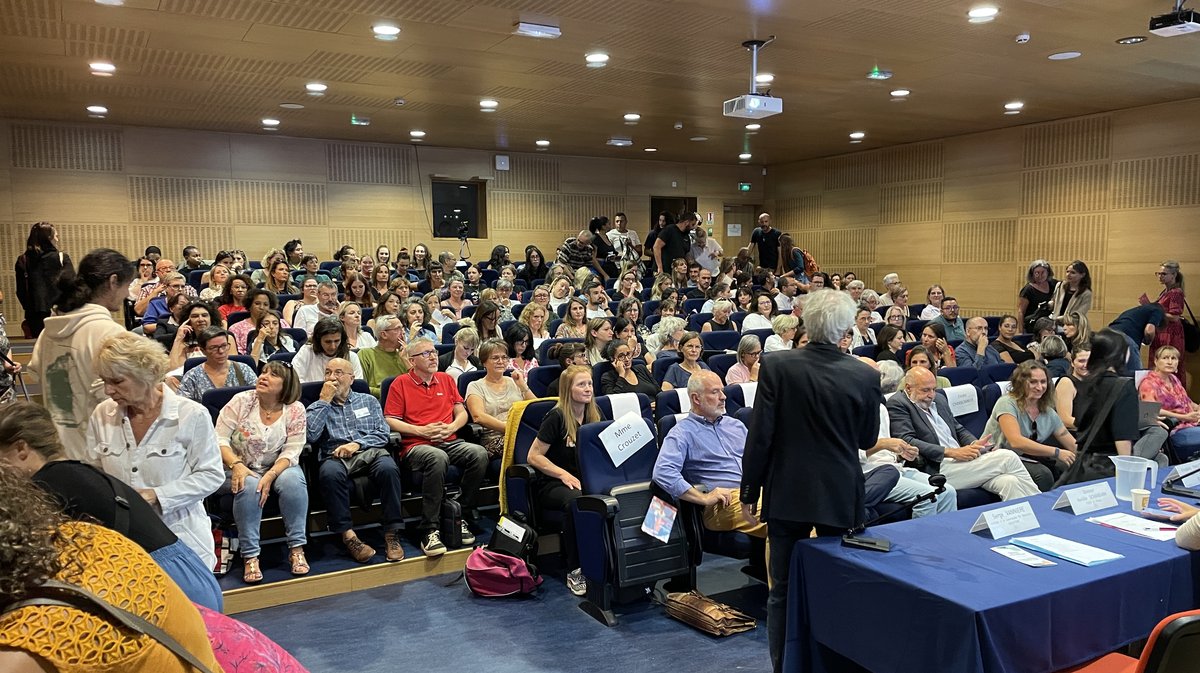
(427, 626)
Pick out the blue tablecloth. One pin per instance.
(942, 600)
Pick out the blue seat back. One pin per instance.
(599, 370)
(692, 305)
(762, 334)
(959, 375)
(541, 376)
(649, 308)
(597, 472)
(662, 362)
(605, 403)
(864, 351)
(286, 357)
(542, 349)
(191, 363)
(527, 429)
(465, 378)
(449, 330)
(1000, 372)
(902, 356)
(384, 387)
(310, 392)
(720, 364)
(651, 320)
(696, 320)
(744, 415)
(516, 310)
(194, 277)
(736, 396)
(236, 317)
(915, 327)
(671, 402)
(720, 341)
(329, 266)
(215, 400)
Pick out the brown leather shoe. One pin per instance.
(394, 551)
(358, 549)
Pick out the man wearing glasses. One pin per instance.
(348, 432)
(949, 320)
(155, 288)
(425, 408)
(384, 359)
(170, 285)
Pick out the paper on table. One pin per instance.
(1155, 530)
(1020, 555)
(1067, 550)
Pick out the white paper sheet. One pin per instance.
(1067, 550)
(1155, 530)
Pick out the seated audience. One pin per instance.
(197, 316)
(597, 336)
(626, 376)
(1162, 385)
(171, 285)
(933, 338)
(630, 309)
(918, 356)
(261, 433)
(350, 314)
(328, 341)
(1054, 355)
(1075, 329)
(870, 301)
(308, 296)
(764, 311)
(233, 298)
(425, 408)
(785, 327)
(414, 316)
(389, 303)
(462, 359)
(258, 303)
(862, 334)
(1117, 428)
(597, 300)
(678, 374)
(384, 359)
(348, 432)
(565, 354)
(716, 293)
(487, 320)
(269, 338)
(308, 315)
(1067, 386)
(173, 460)
(933, 302)
(919, 417)
(279, 280)
(554, 455)
(1025, 421)
(489, 399)
(891, 340)
(749, 357)
(29, 445)
(1138, 325)
(898, 295)
(535, 317)
(975, 351)
(145, 275)
(217, 370)
(574, 324)
(561, 292)
(953, 328)
(666, 336)
(720, 322)
(521, 355)
(895, 317)
(1006, 346)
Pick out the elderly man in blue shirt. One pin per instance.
(974, 351)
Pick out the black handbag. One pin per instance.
(1191, 332)
(1091, 466)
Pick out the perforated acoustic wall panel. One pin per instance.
(579, 209)
(529, 174)
(285, 203)
(1158, 182)
(1065, 190)
(908, 163)
(974, 242)
(801, 213)
(369, 164)
(523, 211)
(914, 202)
(855, 170)
(186, 200)
(1068, 142)
(66, 148)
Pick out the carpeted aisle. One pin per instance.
(426, 626)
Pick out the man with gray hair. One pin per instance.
(577, 252)
(384, 359)
(890, 453)
(802, 459)
(308, 315)
(173, 284)
(885, 295)
(425, 408)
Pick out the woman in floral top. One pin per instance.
(261, 433)
(1162, 386)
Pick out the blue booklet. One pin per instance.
(660, 519)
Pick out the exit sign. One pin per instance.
(743, 186)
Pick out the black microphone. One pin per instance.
(851, 539)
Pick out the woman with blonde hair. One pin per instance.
(350, 313)
(1174, 302)
(1025, 421)
(1076, 330)
(554, 455)
(160, 443)
(574, 324)
(895, 317)
(534, 317)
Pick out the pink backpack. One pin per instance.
(492, 575)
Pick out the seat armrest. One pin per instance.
(520, 471)
(604, 505)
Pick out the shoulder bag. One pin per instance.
(1191, 331)
(1087, 466)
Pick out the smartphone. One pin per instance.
(1157, 514)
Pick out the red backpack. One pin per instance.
(493, 575)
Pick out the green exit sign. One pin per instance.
(743, 186)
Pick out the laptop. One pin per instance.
(1174, 485)
(1148, 413)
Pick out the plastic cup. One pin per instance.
(1140, 498)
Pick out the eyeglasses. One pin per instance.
(754, 354)
(425, 354)
(218, 348)
(148, 264)
(624, 356)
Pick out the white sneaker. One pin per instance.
(468, 537)
(576, 582)
(432, 544)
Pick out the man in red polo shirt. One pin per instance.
(425, 408)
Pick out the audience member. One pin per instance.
(1026, 422)
(678, 374)
(933, 302)
(1006, 345)
(258, 302)
(1067, 386)
(721, 321)
(625, 242)
(785, 327)
(1054, 353)
(308, 297)
(895, 317)
(462, 359)
(890, 282)
(578, 252)
(952, 326)
(706, 251)
(764, 243)
(1073, 295)
(269, 339)
(1139, 326)
(491, 398)
(384, 359)
(1034, 300)
(1183, 415)
(348, 432)
(673, 240)
(1104, 387)
(891, 340)
(574, 324)
(308, 315)
(425, 408)
(597, 301)
(534, 317)
(566, 355)
(749, 359)
(198, 316)
(172, 284)
(626, 376)
(597, 337)
(328, 341)
(862, 334)
(921, 418)
(1075, 330)
(764, 311)
(217, 370)
(519, 341)
(975, 351)
(933, 338)
(350, 315)
(144, 275)
(786, 298)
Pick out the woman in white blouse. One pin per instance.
(328, 341)
(350, 313)
(861, 334)
(161, 444)
(933, 302)
(764, 311)
(261, 433)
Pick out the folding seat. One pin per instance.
(541, 376)
(720, 341)
(613, 407)
(520, 477)
(696, 320)
(721, 362)
(740, 395)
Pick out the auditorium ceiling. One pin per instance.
(225, 65)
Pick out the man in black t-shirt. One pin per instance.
(674, 241)
(765, 242)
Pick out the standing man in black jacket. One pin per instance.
(816, 408)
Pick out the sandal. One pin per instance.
(299, 563)
(251, 573)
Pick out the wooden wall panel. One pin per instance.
(1157, 182)
(174, 237)
(850, 208)
(797, 213)
(374, 206)
(283, 203)
(654, 179)
(853, 170)
(74, 148)
(281, 159)
(529, 173)
(914, 202)
(850, 248)
(983, 197)
(1062, 238)
(908, 163)
(164, 152)
(1148, 131)
(981, 241)
(1147, 237)
(578, 175)
(1065, 190)
(804, 177)
(74, 196)
(529, 212)
(1068, 142)
(579, 209)
(169, 199)
(983, 154)
(368, 164)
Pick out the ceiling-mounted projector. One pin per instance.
(1179, 22)
(754, 105)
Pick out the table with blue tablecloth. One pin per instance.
(942, 600)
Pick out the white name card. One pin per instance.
(963, 400)
(1006, 521)
(1087, 499)
(749, 390)
(685, 401)
(625, 437)
(1190, 473)
(1005, 387)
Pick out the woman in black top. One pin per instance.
(626, 376)
(1034, 299)
(37, 275)
(535, 266)
(1010, 351)
(606, 254)
(29, 443)
(1118, 427)
(554, 455)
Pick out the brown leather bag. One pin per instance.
(702, 612)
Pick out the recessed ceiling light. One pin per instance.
(102, 68)
(1065, 55)
(542, 143)
(270, 128)
(110, 3)
(1132, 39)
(982, 14)
(649, 149)
(1012, 112)
(753, 127)
(416, 133)
(900, 93)
(632, 117)
(616, 141)
(764, 78)
(316, 88)
(858, 135)
(97, 109)
(489, 104)
(539, 30)
(596, 59)
(270, 122)
(879, 74)
(698, 139)
(1015, 105)
(745, 156)
(291, 106)
(385, 31)
(855, 142)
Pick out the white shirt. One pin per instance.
(930, 312)
(858, 339)
(310, 366)
(883, 456)
(619, 240)
(709, 256)
(776, 343)
(597, 312)
(784, 303)
(179, 459)
(307, 316)
(364, 341)
(755, 321)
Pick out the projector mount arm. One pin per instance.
(754, 46)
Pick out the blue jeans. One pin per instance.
(1186, 443)
(181, 564)
(336, 481)
(292, 490)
